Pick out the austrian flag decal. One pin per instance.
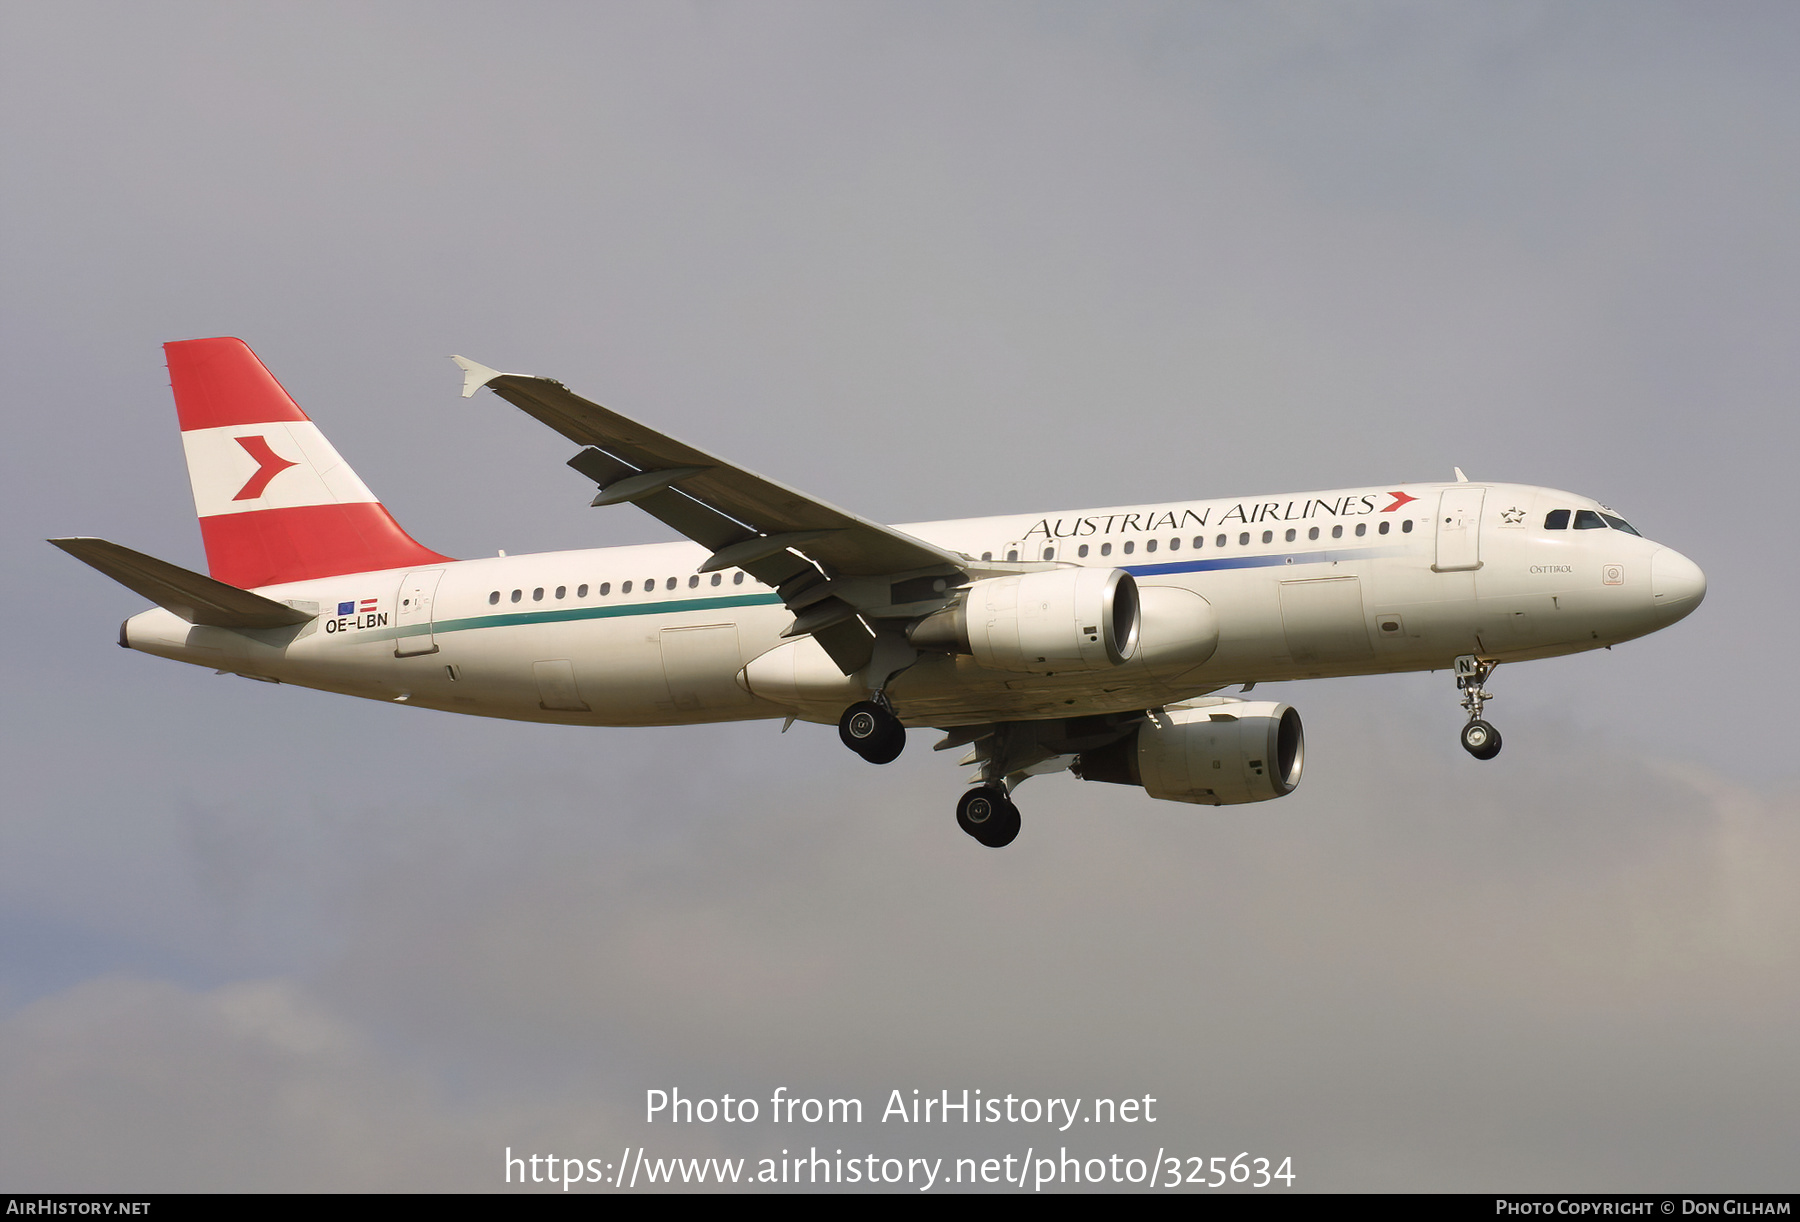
(357, 614)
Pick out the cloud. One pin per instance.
(1428, 985)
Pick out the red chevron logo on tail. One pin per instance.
(269, 464)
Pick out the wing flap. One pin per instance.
(695, 520)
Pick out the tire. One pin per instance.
(888, 749)
(1481, 740)
(872, 732)
(979, 807)
(988, 815)
(1005, 831)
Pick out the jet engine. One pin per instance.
(1219, 754)
(1058, 620)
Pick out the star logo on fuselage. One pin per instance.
(1513, 516)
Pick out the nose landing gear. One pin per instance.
(987, 814)
(870, 729)
(1478, 737)
(1481, 740)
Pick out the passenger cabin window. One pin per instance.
(1313, 533)
(517, 595)
(1556, 519)
(1199, 540)
(605, 588)
(537, 595)
(1219, 542)
(1290, 534)
(717, 578)
(581, 590)
(1150, 546)
(1362, 528)
(1174, 545)
(493, 598)
(1129, 547)
(737, 579)
(1106, 549)
(1081, 551)
(1049, 553)
(626, 588)
(1383, 528)
(562, 591)
(1337, 532)
(1587, 519)
(1243, 539)
(1268, 536)
(1406, 527)
(693, 581)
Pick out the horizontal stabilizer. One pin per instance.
(196, 599)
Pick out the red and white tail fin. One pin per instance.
(276, 503)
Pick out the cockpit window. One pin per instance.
(1618, 523)
(1556, 519)
(1587, 519)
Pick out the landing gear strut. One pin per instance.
(987, 814)
(870, 729)
(1478, 737)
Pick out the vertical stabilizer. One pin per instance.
(276, 503)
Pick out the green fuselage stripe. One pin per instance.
(560, 615)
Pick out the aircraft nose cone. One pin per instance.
(1676, 585)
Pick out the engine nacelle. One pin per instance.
(1220, 754)
(1057, 620)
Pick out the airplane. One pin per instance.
(1093, 641)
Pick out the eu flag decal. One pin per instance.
(347, 608)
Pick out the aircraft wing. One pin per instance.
(747, 520)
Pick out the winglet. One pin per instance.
(1460, 477)
(474, 376)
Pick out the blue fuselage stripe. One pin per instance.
(1245, 562)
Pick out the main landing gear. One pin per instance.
(1478, 737)
(987, 814)
(870, 729)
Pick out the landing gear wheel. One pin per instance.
(872, 732)
(1478, 737)
(987, 814)
(1481, 740)
(1005, 831)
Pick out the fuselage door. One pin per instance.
(701, 665)
(413, 616)
(1459, 529)
(1323, 620)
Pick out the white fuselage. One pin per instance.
(1357, 581)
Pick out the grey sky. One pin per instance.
(924, 261)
